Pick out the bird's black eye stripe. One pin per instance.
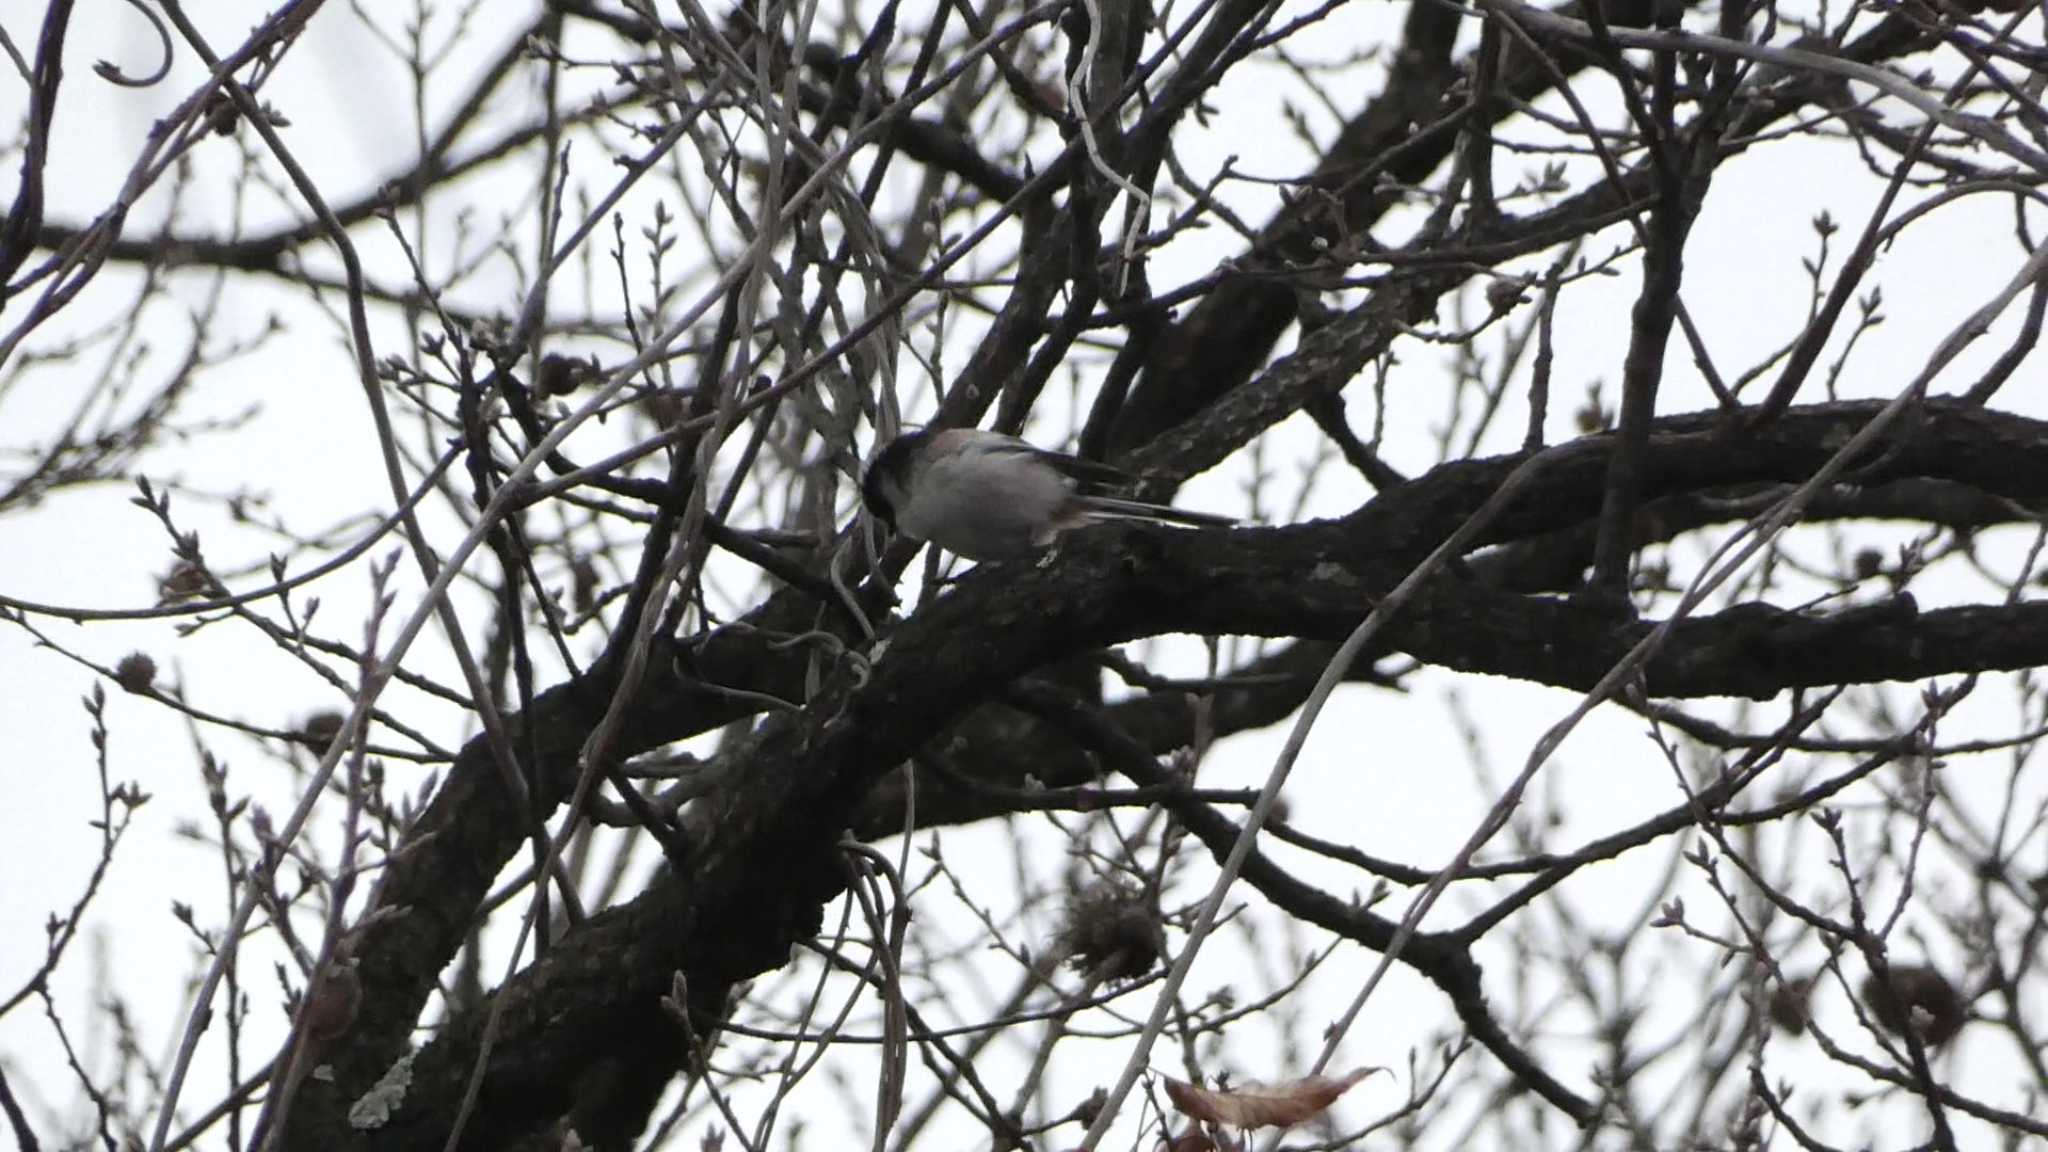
(874, 494)
(893, 463)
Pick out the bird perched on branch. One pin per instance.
(987, 496)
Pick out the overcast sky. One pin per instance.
(1386, 771)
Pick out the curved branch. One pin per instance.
(766, 865)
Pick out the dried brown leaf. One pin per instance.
(1257, 1105)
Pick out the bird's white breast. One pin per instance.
(986, 503)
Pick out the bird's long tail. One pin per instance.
(1111, 507)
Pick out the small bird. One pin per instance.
(987, 496)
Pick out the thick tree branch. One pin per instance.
(766, 863)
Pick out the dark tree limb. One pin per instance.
(767, 860)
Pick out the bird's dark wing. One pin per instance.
(1092, 473)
